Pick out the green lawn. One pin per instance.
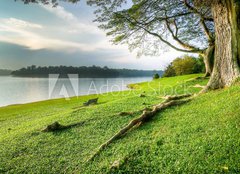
(201, 136)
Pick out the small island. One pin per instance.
(83, 72)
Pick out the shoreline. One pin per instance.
(128, 88)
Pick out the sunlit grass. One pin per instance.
(199, 137)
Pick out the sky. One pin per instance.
(41, 35)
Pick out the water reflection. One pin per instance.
(14, 90)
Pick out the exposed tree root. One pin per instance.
(199, 86)
(205, 90)
(175, 97)
(133, 113)
(145, 116)
(57, 126)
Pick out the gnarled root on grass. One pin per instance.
(144, 117)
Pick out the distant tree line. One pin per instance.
(185, 65)
(5, 72)
(83, 72)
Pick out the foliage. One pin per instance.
(84, 72)
(150, 26)
(169, 71)
(184, 65)
(199, 137)
(54, 3)
(156, 76)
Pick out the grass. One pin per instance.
(198, 137)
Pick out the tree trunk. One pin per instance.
(209, 60)
(227, 44)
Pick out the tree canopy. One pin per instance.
(144, 25)
(150, 26)
(190, 26)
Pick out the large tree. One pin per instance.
(184, 25)
(226, 14)
(226, 17)
(150, 26)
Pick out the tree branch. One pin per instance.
(139, 24)
(203, 19)
(175, 37)
(194, 10)
(206, 31)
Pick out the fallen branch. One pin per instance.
(145, 116)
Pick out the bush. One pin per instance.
(156, 76)
(169, 71)
(184, 65)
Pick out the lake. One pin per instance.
(17, 90)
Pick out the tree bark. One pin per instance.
(227, 44)
(209, 60)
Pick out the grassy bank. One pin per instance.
(201, 136)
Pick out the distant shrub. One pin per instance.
(184, 65)
(156, 76)
(169, 71)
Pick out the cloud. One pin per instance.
(60, 12)
(55, 37)
(18, 32)
(22, 24)
(63, 38)
(75, 25)
(24, 33)
(15, 57)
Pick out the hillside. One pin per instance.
(201, 136)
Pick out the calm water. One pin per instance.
(15, 90)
